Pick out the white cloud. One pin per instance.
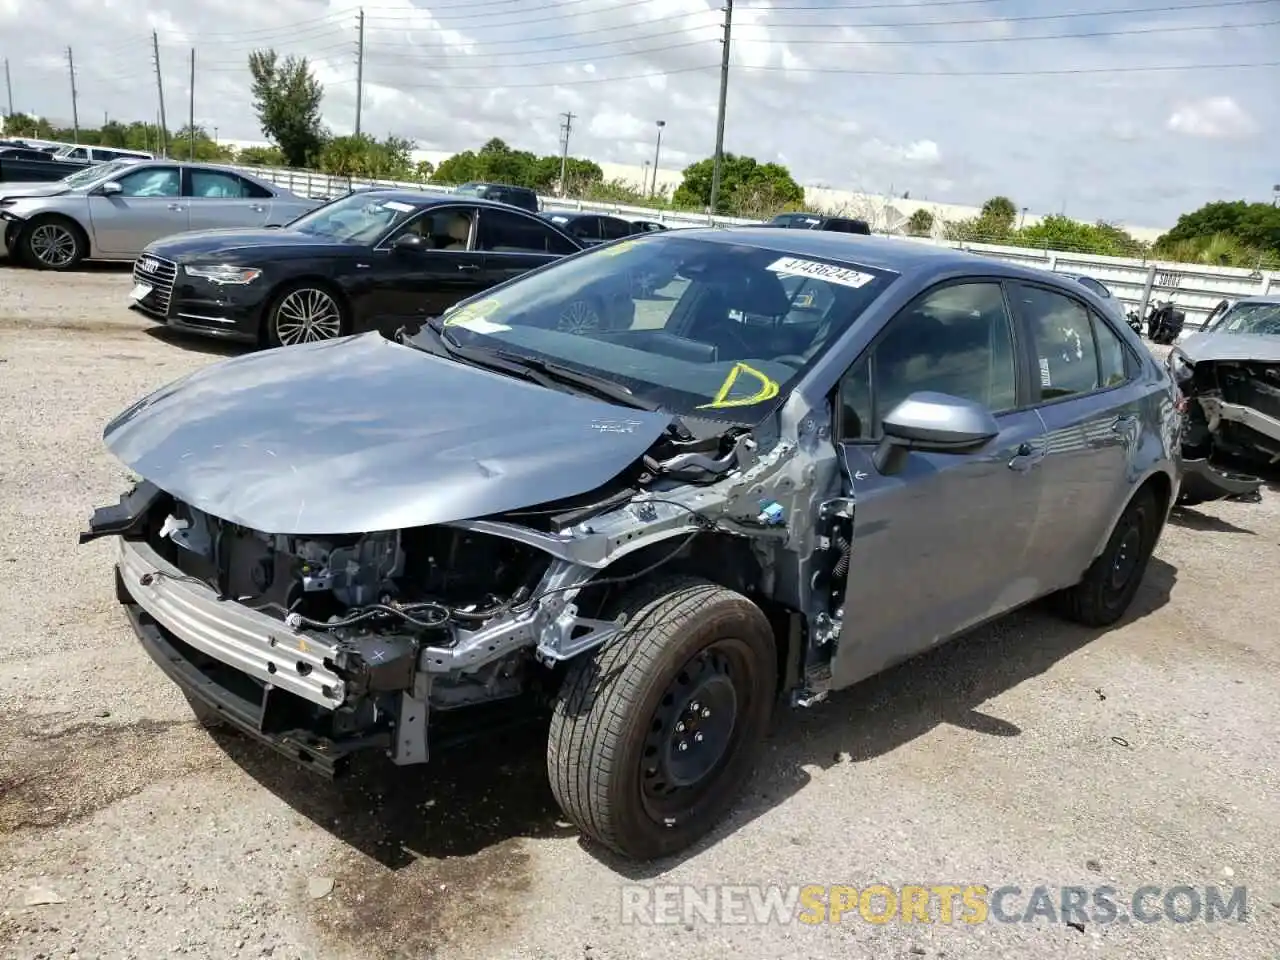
(452, 75)
(1214, 118)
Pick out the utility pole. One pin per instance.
(359, 68)
(566, 128)
(724, 93)
(8, 83)
(164, 130)
(657, 149)
(75, 106)
(191, 109)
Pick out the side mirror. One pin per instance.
(936, 422)
(408, 241)
(110, 189)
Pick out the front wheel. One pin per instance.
(52, 243)
(305, 313)
(655, 734)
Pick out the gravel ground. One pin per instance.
(1031, 753)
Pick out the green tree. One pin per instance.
(497, 162)
(261, 157)
(1000, 213)
(363, 156)
(287, 99)
(1255, 228)
(920, 223)
(745, 185)
(25, 125)
(180, 146)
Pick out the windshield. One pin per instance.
(697, 327)
(356, 218)
(93, 174)
(1256, 318)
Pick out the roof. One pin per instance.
(426, 198)
(1268, 298)
(888, 253)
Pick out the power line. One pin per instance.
(1024, 73)
(557, 83)
(783, 41)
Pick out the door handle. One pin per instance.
(176, 206)
(258, 208)
(1028, 455)
(1123, 422)
(468, 267)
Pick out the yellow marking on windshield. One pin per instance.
(616, 248)
(473, 311)
(768, 389)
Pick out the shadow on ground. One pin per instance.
(462, 803)
(197, 344)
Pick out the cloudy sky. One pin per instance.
(952, 100)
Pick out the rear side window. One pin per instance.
(1063, 340)
(1114, 364)
(611, 228)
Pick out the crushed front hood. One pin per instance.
(1203, 347)
(363, 434)
(21, 191)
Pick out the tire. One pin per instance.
(52, 243)
(305, 312)
(613, 754)
(1101, 599)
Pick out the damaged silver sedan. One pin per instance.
(1229, 375)
(639, 513)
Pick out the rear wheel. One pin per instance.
(1104, 593)
(53, 243)
(655, 734)
(305, 313)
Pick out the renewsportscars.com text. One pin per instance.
(880, 903)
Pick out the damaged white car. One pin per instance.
(638, 517)
(1229, 375)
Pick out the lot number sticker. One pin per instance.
(793, 266)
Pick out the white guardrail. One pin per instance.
(1137, 283)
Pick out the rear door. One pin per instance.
(1088, 396)
(221, 199)
(514, 243)
(584, 229)
(149, 206)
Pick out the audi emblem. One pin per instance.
(147, 265)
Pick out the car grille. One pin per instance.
(161, 275)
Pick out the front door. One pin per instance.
(219, 199)
(150, 205)
(1089, 401)
(943, 544)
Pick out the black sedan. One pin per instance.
(591, 228)
(337, 269)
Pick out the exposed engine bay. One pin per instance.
(1232, 417)
(341, 642)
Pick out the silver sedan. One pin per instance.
(111, 211)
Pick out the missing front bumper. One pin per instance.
(1203, 482)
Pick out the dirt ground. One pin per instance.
(1030, 753)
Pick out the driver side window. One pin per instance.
(152, 182)
(956, 339)
(447, 228)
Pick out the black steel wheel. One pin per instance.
(1104, 593)
(655, 734)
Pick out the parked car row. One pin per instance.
(113, 210)
(636, 519)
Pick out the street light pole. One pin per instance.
(657, 150)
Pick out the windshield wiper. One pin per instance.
(600, 386)
(542, 372)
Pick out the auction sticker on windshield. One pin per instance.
(846, 277)
(398, 207)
